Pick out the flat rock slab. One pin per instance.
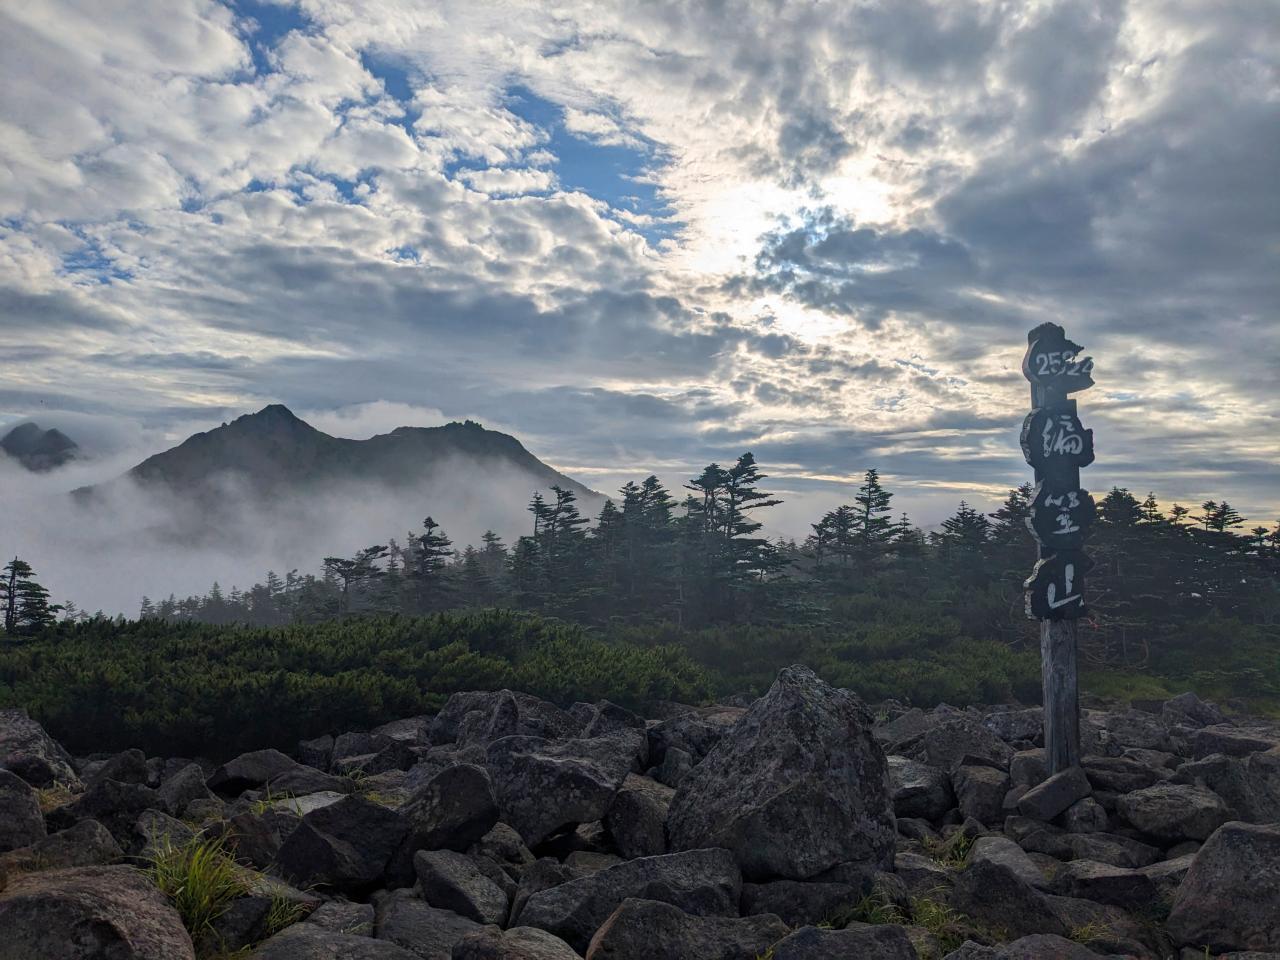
(1174, 811)
(72, 914)
(640, 929)
(452, 881)
(1053, 796)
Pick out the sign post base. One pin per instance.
(1061, 695)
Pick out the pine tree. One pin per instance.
(25, 602)
(355, 574)
(873, 527)
(428, 570)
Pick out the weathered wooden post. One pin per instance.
(1057, 446)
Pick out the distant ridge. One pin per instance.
(39, 450)
(276, 453)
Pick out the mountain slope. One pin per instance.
(275, 454)
(38, 450)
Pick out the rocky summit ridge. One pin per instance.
(803, 824)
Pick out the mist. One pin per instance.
(130, 542)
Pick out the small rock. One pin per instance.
(1051, 797)
(346, 845)
(316, 753)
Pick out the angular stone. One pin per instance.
(1136, 728)
(1014, 725)
(884, 942)
(249, 770)
(85, 844)
(640, 929)
(693, 733)
(1186, 709)
(347, 845)
(980, 792)
(256, 838)
(21, 822)
(1231, 740)
(919, 790)
(1230, 899)
(963, 740)
(1103, 883)
(316, 753)
(518, 943)
(992, 893)
(798, 785)
(1119, 774)
(305, 941)
(502, 845)
(1045, 946)
(1249, 785)
(481, 717)
(452, 881)
(1174, 811)
(453, 810)
(1085, 816)
(89, 912)
(116, 806)
(1027, 768)
(29, 752)
(636, 820)
(340, 916)
(544, 787)
(427, 932)
(1003, 851)
(701, 882)
(1051, 797)
(156, 830)
(183, 787)
(542, 874)
(675, 766)
(1102, 847)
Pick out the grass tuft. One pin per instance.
(200, 879)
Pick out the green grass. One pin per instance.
(200, 879)
(952, 852)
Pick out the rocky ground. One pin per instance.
(803, 825)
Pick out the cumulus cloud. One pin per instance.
(645, 236)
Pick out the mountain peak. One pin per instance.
(36, 449)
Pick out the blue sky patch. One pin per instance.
(275, 21)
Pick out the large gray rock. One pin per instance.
(1135, 728)
(452, 881)
(1016, 725)
(1104, 883)
(797, 786)
(250, 770)
(426, 932)
(962, 740)
(176, 792)
(1230, 898)
(980, 792)
(1045, 946)
(919, 790)
(346, 845)
(25, 749)
(306, 941)
(693, 733)
(453, 810)
(1005, 852)
(640, 929)
(1188, 710)
(1174, 811)
(992, 893)
(518, 943)
(116, 806)
(21, 822)
(1231, 740)
(801, 902)
(885, 942)
(701, 882)
(1101, 847)
(89, 912)
(637, 818)
(545, 787)
(1120, 774)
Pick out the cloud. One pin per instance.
(643, 237)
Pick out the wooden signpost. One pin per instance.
(1056, 445)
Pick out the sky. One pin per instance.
(645, 236)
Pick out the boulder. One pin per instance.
(1051, 797)
(85, 844)
(21, 822)
(980, 792)
(90, 912)
(316, 753)
(452, 881)
(1231, 740)
(1085, 816)
(884, 942)
(636, 821)
(1136, 728)
(453, 810)
(1119, 774)
(249, 770)
(1174, 811)
(693, 733)
(426, 932)
(963, 740)
(346, 845)
(412, 731)
(1104, 883)
(544, 787)
(1249, 785)
(502, 845)
(154, 831)
(518, 943)
(701, 882)
(1102, 847)
(1003, 851)
(640, 929)
(256, 838)
(176, 792)
(1016, 725)
(306, 941)
(116, 806)
(480, 717)
(798, 785)
(1045, 946)
(342, 916)
(1230, 898)
(993, 894)
(1188, 710)
(1027, 768)
(128, 766)
(675, 766)
(542, 874)
(919, 790)
(29, 752)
